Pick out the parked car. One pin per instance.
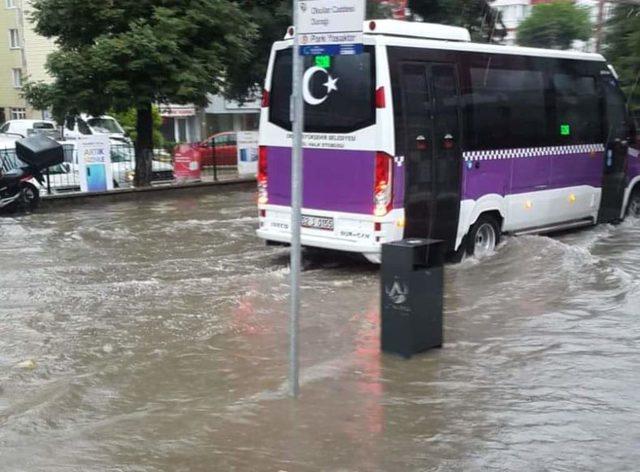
(8, 159)
(223, 145)
(123, 167)
(65, 177)
(26, 128)
(85, 125)
(106, 124)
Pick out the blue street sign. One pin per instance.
(331, 49)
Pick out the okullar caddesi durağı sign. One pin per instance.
(331, 27)
(94, 163)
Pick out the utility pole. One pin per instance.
(297, 119)
(600, 25)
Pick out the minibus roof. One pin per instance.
(431, 35)
(414, 29)
(444, 37)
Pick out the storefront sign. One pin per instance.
(247, 142)
(177, 111)
(94, 163)
(186, 163)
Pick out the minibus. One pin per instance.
(427, 134)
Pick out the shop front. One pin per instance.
(180, 123)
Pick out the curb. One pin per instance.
(116, 195)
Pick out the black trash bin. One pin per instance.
(411, 300)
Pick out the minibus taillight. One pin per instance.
(380, 100)
(382, 196)
(265, 99)
(263, 194)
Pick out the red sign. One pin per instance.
(398, 8)
(186, 163)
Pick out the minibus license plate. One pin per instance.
(317, 222)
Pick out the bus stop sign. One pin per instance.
(330, 27)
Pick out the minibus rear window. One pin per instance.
(339, 92)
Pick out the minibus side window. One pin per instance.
(618, 126)
(508, 108)
(577, 109)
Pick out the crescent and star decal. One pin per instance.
(330, 84)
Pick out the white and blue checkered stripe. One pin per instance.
(495, 154)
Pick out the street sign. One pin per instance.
(330, 27)
(331, 49)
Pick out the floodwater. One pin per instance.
(152, 336)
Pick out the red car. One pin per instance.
(223, 145)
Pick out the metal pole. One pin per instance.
(297, 118)
(215, 165)
(599, 25)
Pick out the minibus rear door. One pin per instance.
(431, 131)
(617, 135)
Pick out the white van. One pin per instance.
(26, 128)
(104, 124)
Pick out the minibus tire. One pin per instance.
(482, 228)
(633, 207)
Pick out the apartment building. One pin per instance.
(515, 11)
(23, 54)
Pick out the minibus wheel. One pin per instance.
(633, 209)
(483, 237)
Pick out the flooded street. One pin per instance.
(152, 336)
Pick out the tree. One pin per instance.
(622, 48)
(133, 53)
(271, 18)
(555, 25)
(127, 120)
(483, 22)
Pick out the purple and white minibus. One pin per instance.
(426, 134)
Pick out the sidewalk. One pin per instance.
(226, 178)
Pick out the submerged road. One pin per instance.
(151, 336)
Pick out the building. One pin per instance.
(515, 11)
(188, 124)
(180, 123)
(23, 54)
(228, 115)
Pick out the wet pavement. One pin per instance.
(151, 336)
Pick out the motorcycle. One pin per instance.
(38, 153)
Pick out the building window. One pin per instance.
(18, 113)
(10, 3)
(17, 77)
(14, 39)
